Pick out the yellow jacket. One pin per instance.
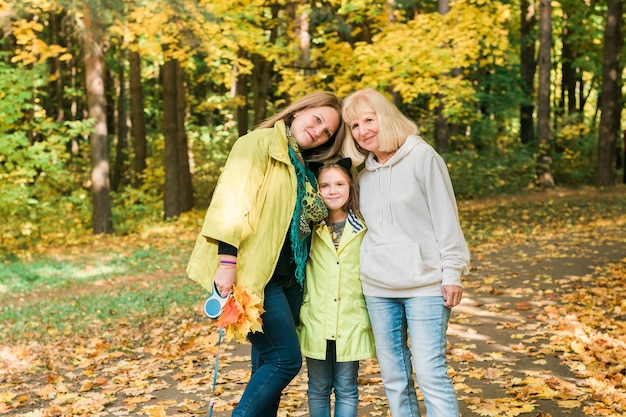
(251, 209)
(334, 306)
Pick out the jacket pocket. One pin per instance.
(396, 266)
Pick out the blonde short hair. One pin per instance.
(393, 126)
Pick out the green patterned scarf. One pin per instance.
(309, 208)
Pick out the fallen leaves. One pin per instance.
(561, 304)
(542, 325)
(241, 314)
(500, 407)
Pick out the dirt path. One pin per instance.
(499, 335)
(510, 349)
(501, 330)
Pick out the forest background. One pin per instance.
(116, 118)
(116, 114)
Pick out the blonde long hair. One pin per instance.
(393, 126)
(314, 100)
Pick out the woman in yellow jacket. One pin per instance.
(335, 331)
(256, 234)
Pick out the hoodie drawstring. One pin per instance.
(389, 196)
(380, 197)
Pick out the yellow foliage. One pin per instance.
(416, 57)
(32, 49)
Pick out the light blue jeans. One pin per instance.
(328, 375)
(426, 320)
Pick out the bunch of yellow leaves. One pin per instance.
(241, 314)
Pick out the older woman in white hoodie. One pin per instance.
(413, 254)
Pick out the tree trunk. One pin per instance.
(442, 136)
(304, 35)
(568, 89)
(391, 7)
(528, 66)
(261, 74)
(260, 81)
(544, 163)
(610, 95)
(442, 132)
(96, 103)
(122, 127)
(243, 120)
(56, 87)
(185, 193)
(138, 121)
(171, 201)
(624, 156)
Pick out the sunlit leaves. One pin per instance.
(241, 315)
(533, 330)
(31, 48)
(35, 167)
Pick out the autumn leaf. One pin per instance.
(241, 314)
(567, 354)
(230, 313)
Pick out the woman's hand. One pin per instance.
(452, 295)
(226, 274)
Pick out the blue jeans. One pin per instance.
(425, 320)
(276, 357)
(326, 375)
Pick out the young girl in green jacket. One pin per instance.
(334, 330)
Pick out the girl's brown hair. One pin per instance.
(345, 166)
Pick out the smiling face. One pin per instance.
(334, 187)
(364, 130)
(315, 126)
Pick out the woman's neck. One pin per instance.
(383, 157)
(336, 216)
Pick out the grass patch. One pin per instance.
(53, 272)
(56, 295)
(92, 313)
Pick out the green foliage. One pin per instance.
(134, 208)
(574, 153)
(467, 60)
(491, 171)
(36, 180)
(210, 147)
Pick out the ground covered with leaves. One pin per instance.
(110, 326)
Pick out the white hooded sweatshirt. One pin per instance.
(414, 243)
